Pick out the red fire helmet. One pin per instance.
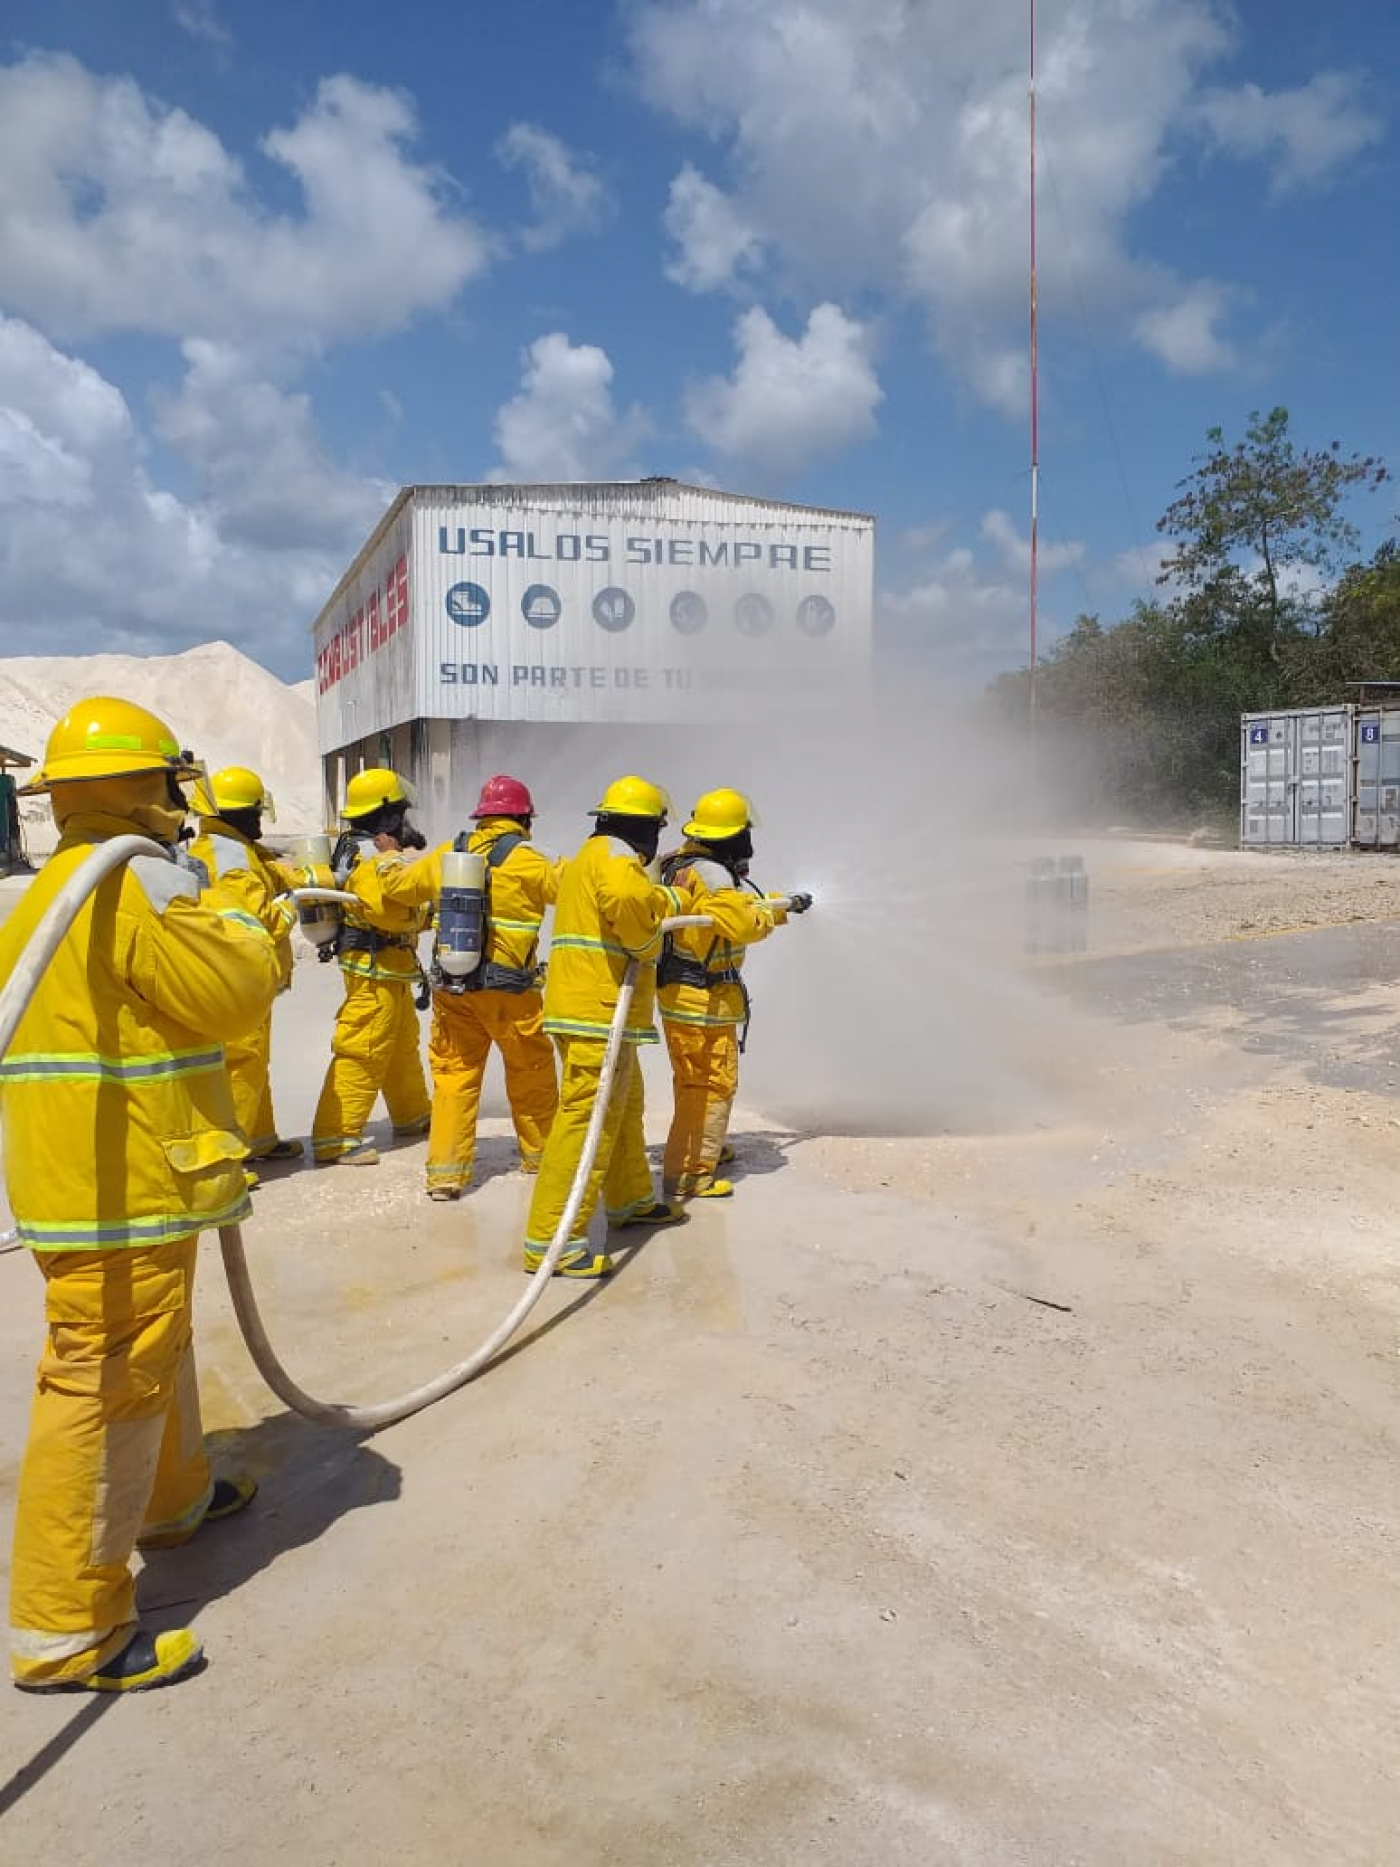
(504, 797)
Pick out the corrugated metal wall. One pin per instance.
(632, 603)
(642, 604)
(363, 642)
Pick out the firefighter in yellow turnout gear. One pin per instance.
(376, 1043)
(120, 1147)
(701, 995)
(231, 806)
(609, 911)
(499, 1002)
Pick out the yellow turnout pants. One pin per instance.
(375, 1048)
(465, 1025)
(248, 1060)
(116, 1450)
(705, 1074)
(621, 1172)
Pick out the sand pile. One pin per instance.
(226, 708)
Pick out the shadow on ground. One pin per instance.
(1295, 995)
(308, 1476)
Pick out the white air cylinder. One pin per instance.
(461, 915)
(310, 859)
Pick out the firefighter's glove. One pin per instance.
(423, 997)
(799, 904)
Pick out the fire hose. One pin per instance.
(14, 1000)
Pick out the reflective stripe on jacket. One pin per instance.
(244, 874)
(740, 918)
(380, 911)
(118, 1118)
(522, 888)
(609, 911)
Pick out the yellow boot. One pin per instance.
(145, 1662)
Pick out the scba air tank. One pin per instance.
(310, 859)
(461, 915)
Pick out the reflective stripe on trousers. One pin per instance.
(115, 1448)
(465, 1025)
(621, 1171)
(375, 1048)
(705, 1073)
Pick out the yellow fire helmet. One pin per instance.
(633, 797)
(371, 790)
(233, 788)
(108, 738)
(718, 815)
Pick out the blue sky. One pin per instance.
(261, 265)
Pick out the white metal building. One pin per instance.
(475, 616)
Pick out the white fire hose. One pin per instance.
(14, 1000)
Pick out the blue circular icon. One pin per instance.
(468, 605)
(613, 609)
(689, 613)
(816, 616)
(540, 606)
(753, 615)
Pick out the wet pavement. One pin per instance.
(1316, 997)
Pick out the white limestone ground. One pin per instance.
(1019, 1489)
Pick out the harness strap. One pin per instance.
(489, 976)
(368, 940)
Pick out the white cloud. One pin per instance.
(1308, 133)
(715, 241)
(119, 213)
(1185, 334)
(789, 401)
(965, 611)
(884, 147)
(965, 622)
(265, 479)
(1014, 547)
(1134, 569)
(94, 555)
(564, 425)
(200, 20)
(566, 197)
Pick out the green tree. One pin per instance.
(1359, 637)
(1251, 514)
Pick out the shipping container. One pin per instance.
(1296, 778)
(637, 602)
(1376, 811)
(1321, 778)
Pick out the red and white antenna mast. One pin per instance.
(1035, 387)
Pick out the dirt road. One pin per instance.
(1023, 1493)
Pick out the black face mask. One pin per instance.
(735, 852)
(247, 822)
(392, 820)
(642, 834)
